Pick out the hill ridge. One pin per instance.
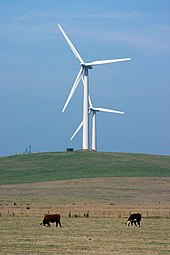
(52, 166)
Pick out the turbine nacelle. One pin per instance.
(91, 109)
(84, 65)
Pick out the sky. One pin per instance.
(38, 69)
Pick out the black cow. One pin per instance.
(51, 218)
(134, 218)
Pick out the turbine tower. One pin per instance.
(94, 110)
(83, 73)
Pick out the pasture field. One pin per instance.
(78, 236)
(42, 167)
(114, 196)
(107, 201)
(94, 193)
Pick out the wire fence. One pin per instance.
(80, 212)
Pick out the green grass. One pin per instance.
(42, 167)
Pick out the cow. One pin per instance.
(134, 218)
(51, 218)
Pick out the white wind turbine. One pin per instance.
(83, 73)
(93, 110)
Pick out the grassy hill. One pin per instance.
(42, 167)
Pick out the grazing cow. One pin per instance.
(134, 218)
(51, 218)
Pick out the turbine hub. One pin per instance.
(84, 65)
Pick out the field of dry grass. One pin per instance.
(24, 235)
(107, 201)
(102, 197)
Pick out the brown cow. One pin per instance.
(51, 218)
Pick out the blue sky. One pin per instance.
(37, 71)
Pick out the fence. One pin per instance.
(82, 211)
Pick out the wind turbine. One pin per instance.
(83, 73)
(94, 110)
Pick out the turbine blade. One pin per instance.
(71, 45)
(82, 77)
(73, 88)
(105, 110)
(103, 62)
(79, 127)
(90, 102)
(90, 111)
(77, 130)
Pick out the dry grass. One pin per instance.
(102, 197)
(108, 201)
(83, 236)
